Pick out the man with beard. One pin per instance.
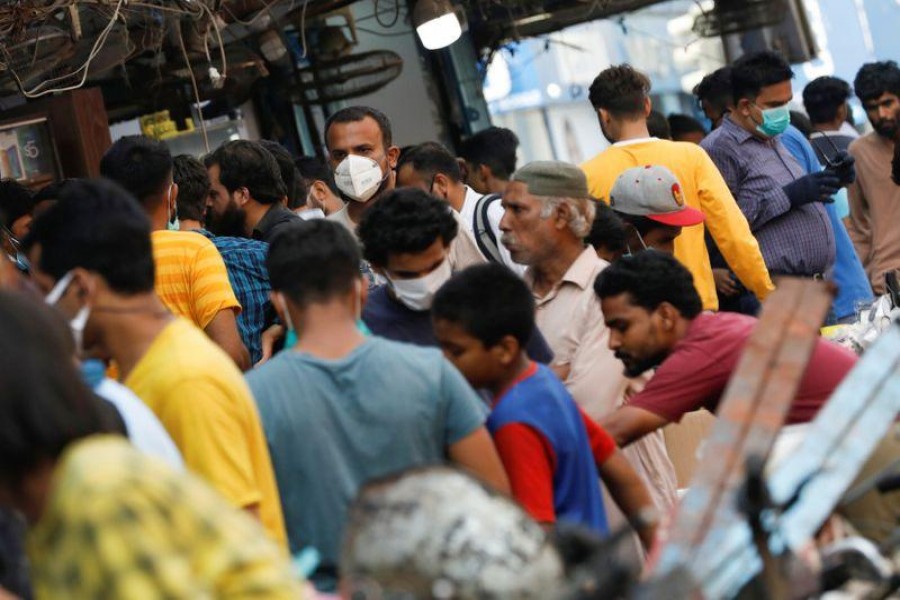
(548, 213)
(655, 320)
(247, 192)
(874, 198)
(364, 160)
(245, 259)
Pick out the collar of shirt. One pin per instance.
(635, 141)
(737, 132)
(529, 372)
(274, 216)
(580, 273)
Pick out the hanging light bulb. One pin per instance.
(436, 23)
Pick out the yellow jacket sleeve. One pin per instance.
(730, 230)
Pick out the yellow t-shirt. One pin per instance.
(119, 524)
(204, 403)
(191, 278)
(704, 189)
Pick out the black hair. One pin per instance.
(296, 189)
(354, 114)
(751, 73)
(313, 169)
(51, 191)
(621, 90)
(45, 405)
(643, 224)
(429, 159)
(802, 123)
(682, 124)
(193, 187)
(139, 164)
(313, 261)
(658, 126)
(247, 164)
(489, 302)
(96, 225)
(651, 278)
(895, 165)
(877, 78)
(716, 89)
(16, 201)
(405, 220)
(495, 148)
(823, 96)
(607, 230)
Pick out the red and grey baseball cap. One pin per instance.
(654, 192)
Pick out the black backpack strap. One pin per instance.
(487, 241)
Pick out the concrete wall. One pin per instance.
(410, 101)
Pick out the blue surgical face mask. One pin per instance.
(290, 338)
(775, 120)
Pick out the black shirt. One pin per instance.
(389, 318)
(274, 220)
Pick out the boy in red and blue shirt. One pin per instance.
(551, 450)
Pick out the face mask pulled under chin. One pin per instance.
(79, 321)
(290, 338)
(418, 294)
(359, 177)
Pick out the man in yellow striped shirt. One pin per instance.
(191, 278)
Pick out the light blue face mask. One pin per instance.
(290, 339)
(775, 121)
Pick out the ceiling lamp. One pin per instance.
(436, 23)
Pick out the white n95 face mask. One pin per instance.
(418, 294)
(359, 177)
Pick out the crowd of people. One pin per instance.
(404, 368)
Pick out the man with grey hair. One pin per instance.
(548, 213)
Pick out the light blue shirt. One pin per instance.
(849, 275)
(333, 425)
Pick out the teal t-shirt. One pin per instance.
(332, 426)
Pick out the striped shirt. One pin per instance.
(794, 240)
(245, 260)
(191, 278)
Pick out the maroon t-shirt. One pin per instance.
(695, 374)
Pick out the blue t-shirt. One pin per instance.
(542, 402)
(849, 274)
(333, 425)
(391, 319)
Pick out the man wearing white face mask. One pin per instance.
(364, 159)
(406, 238)
(340, 408)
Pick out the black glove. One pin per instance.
(815, 187)
(842, 165)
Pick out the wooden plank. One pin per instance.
(751, 413)
(839, 441)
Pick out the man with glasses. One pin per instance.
(782, 203)
(16, 208)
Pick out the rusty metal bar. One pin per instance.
(752, 411)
